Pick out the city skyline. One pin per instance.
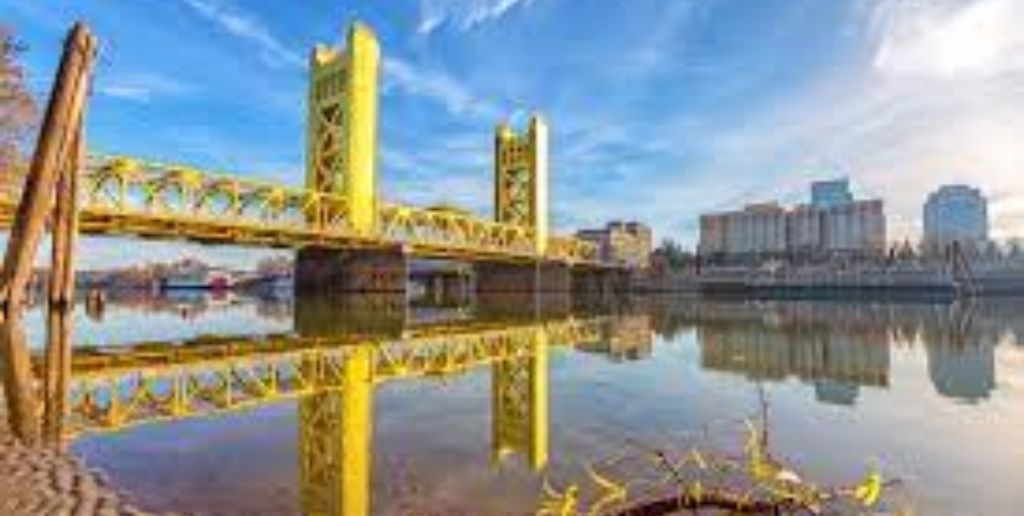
(690, 109)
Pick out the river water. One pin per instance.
(466, 410)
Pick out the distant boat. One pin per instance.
(211, 279)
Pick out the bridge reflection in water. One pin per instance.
(340, 351)
(331, 366)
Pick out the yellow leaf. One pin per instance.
(869, 491)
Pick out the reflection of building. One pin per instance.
(961, 363)
(624, 338)
(967, 374)
(833, 224)
(762, 352)
(955, 213)
(836, 393)
(625, 243)
(837, 348)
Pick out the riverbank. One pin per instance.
(855, 282)
(44, 481)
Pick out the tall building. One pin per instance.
(758, 230)
(833, 224)
(624, 243)
(856, 227)
(827, 194)
(955, 213)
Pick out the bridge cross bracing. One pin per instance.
(339, 206)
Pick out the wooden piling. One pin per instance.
(60, 125)
(62, 292)
(18, 381)
(59, 151)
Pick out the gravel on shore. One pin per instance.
(49, 482)
(36, 480)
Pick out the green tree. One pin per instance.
(674, 255)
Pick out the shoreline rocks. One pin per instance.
(45, 481)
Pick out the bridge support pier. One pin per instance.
(447, 289)
(537, 277)
(600, 284)
(378, 314)
(328, 271)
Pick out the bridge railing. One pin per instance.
(571, 249)
(115, 186)
(125, 195)
(454, 230)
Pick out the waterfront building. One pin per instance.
(755, 231)
(855, 228)
(955, 213)
(620, 242)
(833, 225)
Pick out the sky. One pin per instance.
(659, 109)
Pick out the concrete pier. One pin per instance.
(329, 271)
(382, 315)
(600, 283)
(504, 278)
(445, 288)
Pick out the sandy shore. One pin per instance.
(43, 481)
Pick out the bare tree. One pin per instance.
(17, 111)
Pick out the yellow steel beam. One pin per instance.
(126, 196)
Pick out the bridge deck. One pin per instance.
(124, 196)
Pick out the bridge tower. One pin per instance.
(519, 404)
(521, 199)
(341, 153)
(521, 178)
(335, 429)
(341, 159)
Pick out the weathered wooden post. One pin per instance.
(62, 291)
(57, 152)
(61, 124)
(22, 408)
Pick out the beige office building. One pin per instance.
(768, 230)
(622, 243)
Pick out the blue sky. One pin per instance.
(660, 109)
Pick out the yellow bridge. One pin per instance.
(339, 207)
(126, 196)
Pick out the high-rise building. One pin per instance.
(834, 224)
(828, 194)
(955, 213)
(758, 230)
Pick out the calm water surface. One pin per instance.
(932, 393)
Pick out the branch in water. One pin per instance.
(710, 500)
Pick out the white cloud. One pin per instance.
(246, 27)
(898, 128)
(937, 101)
(406, 77)
(463, 14)
(438, 86)
(945, 39)
(142, 87)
